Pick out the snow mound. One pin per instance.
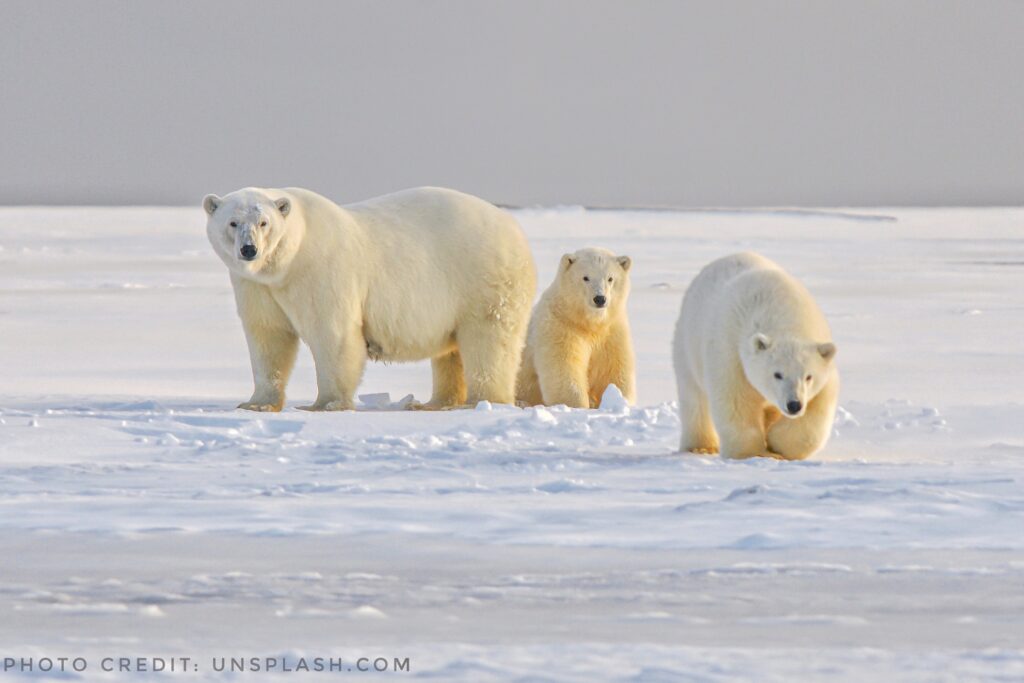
(612, 400)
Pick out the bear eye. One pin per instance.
(263, 224)
(778, 375)
(234, 224)
(609, 279)
(809, 378)
(586, 279)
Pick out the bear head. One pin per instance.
(787, 372)
(251, 233)
(593, 282)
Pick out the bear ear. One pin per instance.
(760, 342)
(567, 261)
(210, 203)
(625, 262)
(284, 205)
(827, 350)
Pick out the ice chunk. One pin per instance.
(544, 416)
(376, 400)
(612, 400)
(404, 402)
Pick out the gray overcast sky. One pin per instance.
(724, 102)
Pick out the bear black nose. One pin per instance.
(794, 407)
(248, 252)
(600, 301)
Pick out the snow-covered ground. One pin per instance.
(140, 515)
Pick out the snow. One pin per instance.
(612, 400)
(140, 515)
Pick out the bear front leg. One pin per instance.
(490, 351)
(272, 352)
(339, 369)
(273, 345)
(562, 373)
(614, 363)
(739, 420)
(449, 382)
(804, 436)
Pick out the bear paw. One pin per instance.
(329, 406)
(432, 405)
(749, 456)
(260, 407)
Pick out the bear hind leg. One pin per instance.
(527, 383)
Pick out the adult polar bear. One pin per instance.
(753, 356)
(422, 273)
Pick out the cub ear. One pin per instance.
(625, 262)
(760, 342)
(210, 203)
(284, 205)
(827, 350)
(567, 261)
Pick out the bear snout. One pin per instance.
(600, 301)
(794, 407)
(248, 251)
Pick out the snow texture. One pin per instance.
(140, 514)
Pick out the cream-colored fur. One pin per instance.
(575, 349)
(423, 273)
(745, 323)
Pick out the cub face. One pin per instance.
(787, 372)
(594, 281)
(247, 229)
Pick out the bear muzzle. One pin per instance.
(248, 252)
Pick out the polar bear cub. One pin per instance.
(423, 273)
(578, 340)
(754, 364)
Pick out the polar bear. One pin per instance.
(578, 341)
(422, 273)
(753, 357)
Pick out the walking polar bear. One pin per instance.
(578, 341)
(423, 273)
(753, 357)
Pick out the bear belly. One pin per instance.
(385, 350)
